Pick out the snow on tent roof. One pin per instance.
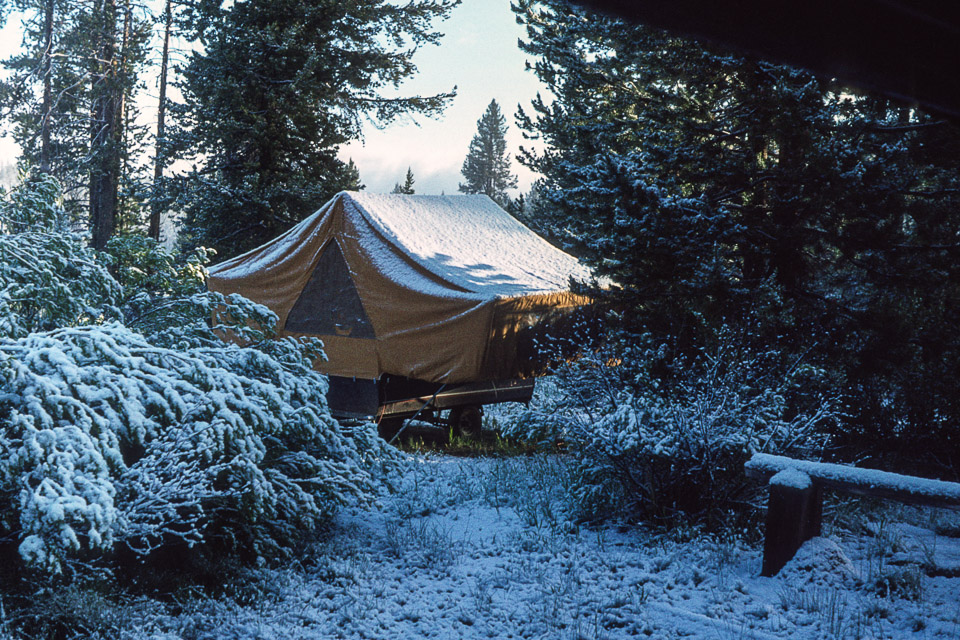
(469, 241)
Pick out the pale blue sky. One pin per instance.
(478, 54)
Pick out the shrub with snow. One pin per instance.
(49, 277)
(113, 436)
(672, 447)
(165, 298)
(110, 439)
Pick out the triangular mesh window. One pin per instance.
(329, 304)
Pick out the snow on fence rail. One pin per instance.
(795, 505)
(867, 482)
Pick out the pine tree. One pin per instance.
(69, 97)
(277, 87)
(407, 186)
(717, 190)
(44, 96)
(105, 127)
(486, 168)
(351, 177)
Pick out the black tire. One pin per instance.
(467, 421)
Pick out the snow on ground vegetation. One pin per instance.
(483, 548)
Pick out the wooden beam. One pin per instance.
(864, 482)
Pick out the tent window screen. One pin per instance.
(329, 304)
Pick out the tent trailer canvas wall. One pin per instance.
(416, 298)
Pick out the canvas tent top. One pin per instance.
(465, 240)
(431, 287)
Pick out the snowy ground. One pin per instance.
(481, 548)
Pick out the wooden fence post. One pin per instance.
(794, 514)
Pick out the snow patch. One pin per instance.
(791, 478)
(469, 241)
(819, 560)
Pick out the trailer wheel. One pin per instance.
(467, 421)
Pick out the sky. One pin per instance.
(478, 54)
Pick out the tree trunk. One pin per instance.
(47, 105)
(104, 144)
(123, 117)
(155, 204)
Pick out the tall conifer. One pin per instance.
(275, 90)
(69, 97)
(407, 186)
(717, 190)
(486, 168)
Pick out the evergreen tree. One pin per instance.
(722, 191)
(486, 168)
(351, 177)
(517, 207)
(42, 23)
(69, 97)
(407, 186)
(52, 132)
(105, 126)
(275, 89)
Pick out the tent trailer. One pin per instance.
(424, 304)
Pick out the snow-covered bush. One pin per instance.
(48, 276)
(34, 204)
(672, 447)
(125, 419)
(165, 298)
(108, 438)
